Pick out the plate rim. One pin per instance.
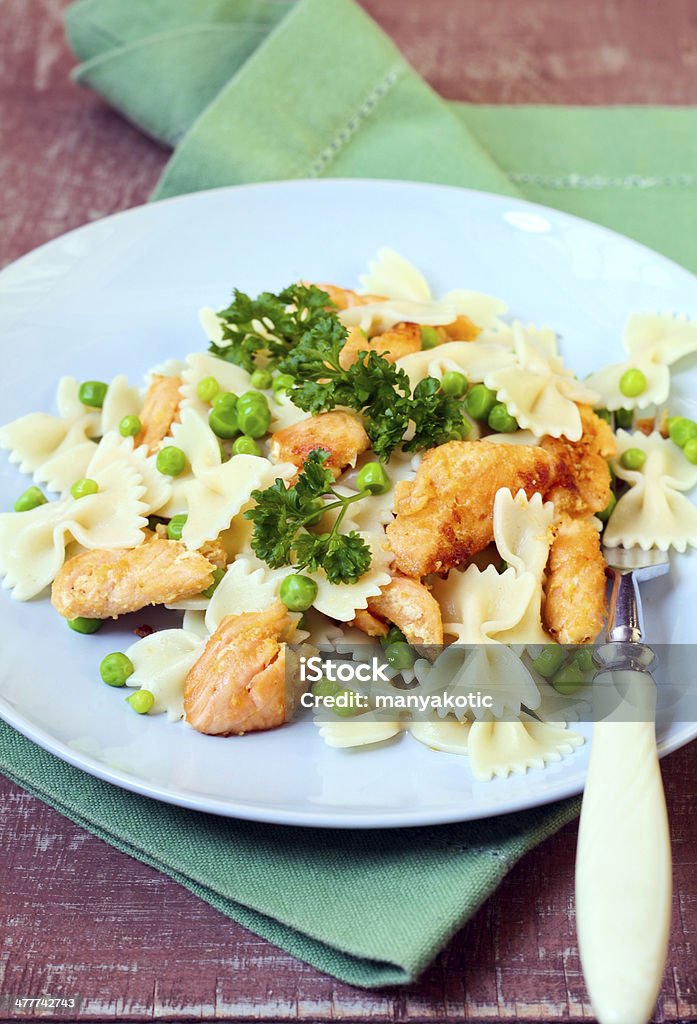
(685, 732)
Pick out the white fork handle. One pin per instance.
(623, 867)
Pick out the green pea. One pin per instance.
(252, 400)
(501, 420)
(93, 393)
(217, 577)
(29, 499)
(262, 379)
(130, 426)
(568, 679)
(633, 383)
(116, 668)
(353, 704)
(176, 525)
(83, 625)
(461, 432)
(207, 389)
(141, 701)
(245, 446)
(298, 593)
(633, 458)
(223, 421)
(325, 688)
(429, 337)
(282, 384)
(394, 636)
(583, 657)
(690, 451)
(604, 414)
(225, 400)
(549, 660)
(681, 430)
(171, 461)
(81, 488)
(315, 516)
(480, 401)
(624, 418)
(454, 384)
(399, 655)
(605, 514)
(373, 477)
(254, 422)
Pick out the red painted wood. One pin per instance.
(78, 917)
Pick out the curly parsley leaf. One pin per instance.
(281, 517)
(270, 324)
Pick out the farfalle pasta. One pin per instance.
(361, 474)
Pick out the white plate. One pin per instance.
(122, 294)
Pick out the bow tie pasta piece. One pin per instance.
(41, 443)
(653, 512)
(211, 324)
(341, 601)
(395, 277)
(284, 413)
(120, 400)
(523, 530)
(409, 299)
(497, 749)
(213, 492)
(479, 607)
(539, 391)
(490, 669)
(247, 586)
(476, 359)
(361, 731)
(162, 662)
(654, 341)
(32, 544)
(545, 338)
(199, 366)
(57, 449)
(114, 448)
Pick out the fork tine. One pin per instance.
(626, 559)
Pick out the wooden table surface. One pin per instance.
(77, 916)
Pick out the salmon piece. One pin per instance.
(160, 411)
(105, 584)
(412, 608)
(461, 329)
(400, 340)
(239, 683)
(575, 591)
(582, 478)
(340, 434)
(445, 514)
(344, 298)
(368, 623)
(215, 552)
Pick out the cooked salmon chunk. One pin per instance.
(239, 683)
(400, 340)
(445, 515)
(160, 411)
(344, 298)
(412, 608)
(581, 483)
(575, 591)
(461, 329)
(340, 434)
(105, 584)
(369, 624)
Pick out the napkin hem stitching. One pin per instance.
(598, 181)
(329, 153)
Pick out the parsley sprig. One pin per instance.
(283, 514)
(269, 325)
(374, 387)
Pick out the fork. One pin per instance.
(623, 859)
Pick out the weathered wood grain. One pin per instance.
(78, 917)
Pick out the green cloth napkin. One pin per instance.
(251, 90)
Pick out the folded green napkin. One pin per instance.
(251, 90)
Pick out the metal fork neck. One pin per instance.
(625, 620)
